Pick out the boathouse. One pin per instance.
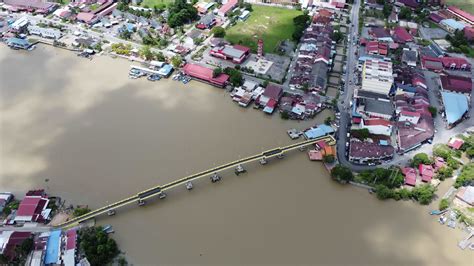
(205, 74)
(17, 43)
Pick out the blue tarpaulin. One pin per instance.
(52, 248)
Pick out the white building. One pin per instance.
(411, 117)
(377, 126)
(377, 76)
(45, 32)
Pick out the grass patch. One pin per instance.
(94, 7)
(157, 3)
(466, 5)
(272, 24)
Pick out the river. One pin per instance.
(97, 136)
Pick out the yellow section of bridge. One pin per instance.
(154, 191)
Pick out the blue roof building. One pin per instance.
(406, 88)
(52, 248)
(166, 70)
(455, 106)
(451, 25)
(17, 43)
(319, 131)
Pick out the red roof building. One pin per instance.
(469, 33)
(401, 35)
(205, 74)
(227, 7)
(15, 240)
(426, 172)
(375, 47)
(447, 62)
(410, 176)
(439, 163)
(461, 14)
(31, 208)
(458, 84)
(455, 143)
(85, 17)
(236, 53)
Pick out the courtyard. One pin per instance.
(272, 24)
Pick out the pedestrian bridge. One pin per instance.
(159, 190)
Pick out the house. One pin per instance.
(381, 34)
(270, 97)
(461, 15)
(449, 63)
(410, 57)
(86, 17)
(455, 106)
(19, 25)
(33, 208)
(227, 8)
(451, 25)
(426, 172)
(466, 194)
(367, 152)
(377, 126)
(236, 53)
(410, 176)
(165, 70)
(5, 198)
(205, 74)
(435, 17)
(207, 22)
(401, 35)
(455, 143)
(439, 163)
(458, 84)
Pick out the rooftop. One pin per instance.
(359, 149)
(454, 83)
(455, 104)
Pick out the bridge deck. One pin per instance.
(159, 189)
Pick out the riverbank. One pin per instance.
(99, 136)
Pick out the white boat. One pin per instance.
(189, 185)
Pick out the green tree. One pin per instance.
(146, 53)
(405, 13)
(466, 177)
(80, 211)
(420, 158)
(97, 246)
(383, 192)
(433, 110)
(444, 172)
(328, 120)
(404, 193)
(300, 22)
(342, 173)
(180, 12)
(338, 36)
(360, 133)
(387, 8)
(160, 56)
(424, 194)
(284, 115)
(218, 32)
(443, 204)
(216, 72)
(176, 61)
(329, 158)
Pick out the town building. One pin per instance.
(401, 35)
(377, 77)
(318, 131)
(49, 33)
(456, 105)
(451, 25)
(437, 64)
(461, 15)
(205, 74)
(17, 43)
(33, 208)
(376, 48)
(410, 57)
(375, 108)
(236, 53)
(411, 136)
(458, 84)
(368, 152)
(10, 241)
(270, 98)
(42, 7)
(377, 126)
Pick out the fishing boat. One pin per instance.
(437, 212)
(111, 212)
(239, 169)
(189, 185)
